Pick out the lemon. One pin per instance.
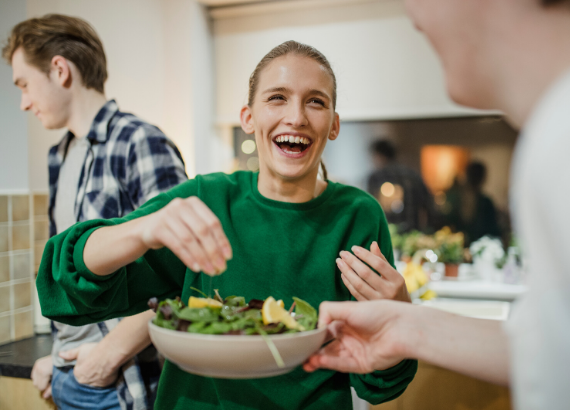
(203, 302)
(274, 312)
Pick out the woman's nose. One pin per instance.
(296, 115)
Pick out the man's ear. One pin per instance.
(60, 71)
(335, 128)
(246, 120)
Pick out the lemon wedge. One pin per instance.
(274, 312)
(195, 302)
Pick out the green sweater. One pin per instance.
(280, 249)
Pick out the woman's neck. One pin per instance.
(299, 190)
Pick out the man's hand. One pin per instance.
(365, 284)
(41, 375)
(91, 367)
(367, 337)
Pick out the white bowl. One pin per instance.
(234, 356)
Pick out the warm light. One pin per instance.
(441, 164)
(248, 147)
(440, 198)
(387, 189)
(253, 163)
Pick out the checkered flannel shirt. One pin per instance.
(128, 163)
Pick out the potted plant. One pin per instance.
(449, 249)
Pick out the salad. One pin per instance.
(233, 316)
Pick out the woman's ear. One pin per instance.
(61, 71)
(335, 128)
(246, 120)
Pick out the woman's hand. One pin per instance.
(367, 336)
(365, 284)
(191, 230)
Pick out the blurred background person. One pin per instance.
(400, 190)
(469, 210)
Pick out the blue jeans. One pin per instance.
(69, 394)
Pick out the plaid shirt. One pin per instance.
(128, 162)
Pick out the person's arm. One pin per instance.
(80, 282)
(378, 334)
(98, 364)
(154, 165)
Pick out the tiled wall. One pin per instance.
(16, 270)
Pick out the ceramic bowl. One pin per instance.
(234, 357)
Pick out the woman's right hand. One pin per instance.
(192, 232)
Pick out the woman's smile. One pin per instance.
(292, 144)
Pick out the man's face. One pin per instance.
(42, 94)
(456, 29)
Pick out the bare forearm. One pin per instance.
(474, 347)
(110, 248)
(126, 340)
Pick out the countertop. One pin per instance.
(18, 358)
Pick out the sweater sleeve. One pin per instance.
(71, 294)
(384, 385)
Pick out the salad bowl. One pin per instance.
(235, 356)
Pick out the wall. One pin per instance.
(13, 137)
(158, 63)
(385, 68)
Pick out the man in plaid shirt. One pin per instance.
(108, 164)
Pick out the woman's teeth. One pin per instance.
(292, 139)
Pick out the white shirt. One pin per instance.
(539, 328)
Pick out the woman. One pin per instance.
(285, 226)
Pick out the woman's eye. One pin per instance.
(276, 97)
(317, 101)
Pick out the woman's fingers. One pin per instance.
(215, 228)
(365, 280)
(357, 287)
(378, 263)
(393, 285)
(357, 295)
(180, 240)
(375, 249)
(204, 246)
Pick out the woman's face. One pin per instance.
(292, 116)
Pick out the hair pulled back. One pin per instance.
(289, 47)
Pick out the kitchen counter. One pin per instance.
(18, 358)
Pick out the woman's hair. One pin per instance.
(291, 47)
(57, 35)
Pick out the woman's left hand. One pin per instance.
(365, 284)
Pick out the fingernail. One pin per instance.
(227, 252)
(355, 249)
(196, 267)
(339, 262)
(221, 262)
(343, 253)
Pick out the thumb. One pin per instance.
(331, 311)
(70, 354)
(47, 392)
(375, 250)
